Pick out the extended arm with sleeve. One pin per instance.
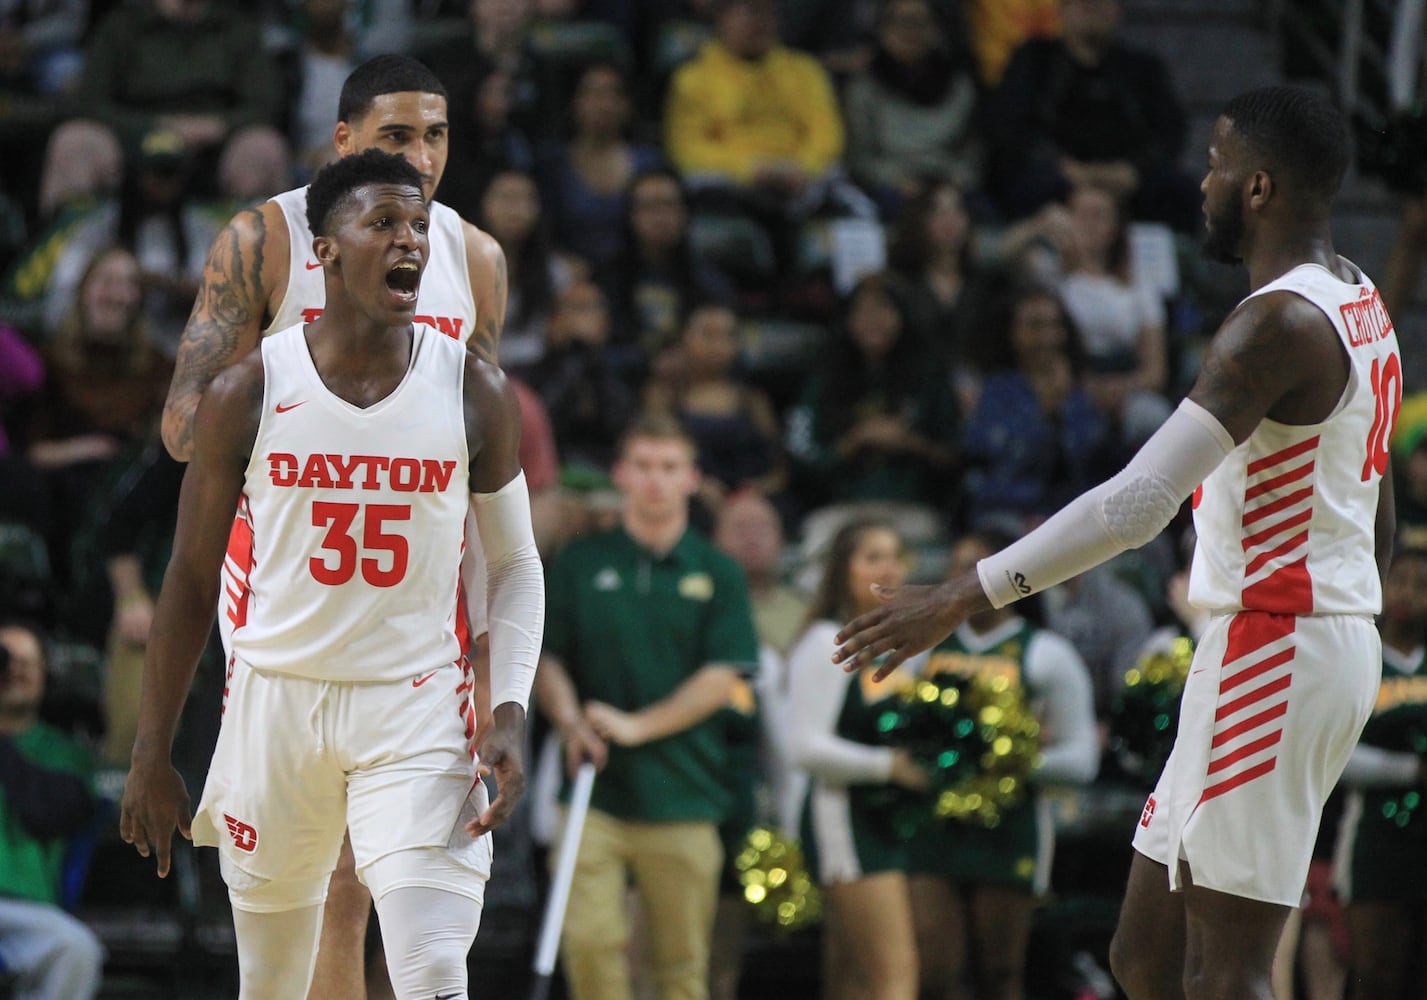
(1373, 767)
(816, 698)
(1062, 685)
(1122, 513)
(516, 590)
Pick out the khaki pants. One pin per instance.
(675, 867)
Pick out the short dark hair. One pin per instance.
(387, 74)
(1302, 134)
(334, 183)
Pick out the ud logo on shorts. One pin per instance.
(245, 837)
(1148, 814)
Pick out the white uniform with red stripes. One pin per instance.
(444, 301)
(348, 700)
(1285, 676)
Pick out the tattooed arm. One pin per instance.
(486, 263)
(246, 262)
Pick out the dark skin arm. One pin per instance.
(155, 802)
(485, 262)
(245, 265)
(1275, 357)
(493, 437)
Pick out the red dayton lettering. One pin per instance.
(449, 325)
(360, 472)
(1366, 319)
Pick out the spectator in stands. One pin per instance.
(732, 422)
(1107, 620)
(46, 778)
(511, 211)
(913, 113)
(484, 141)
(104, 388)
(1086, 109)
(998, 27)
(40, 60)
(648, 633)
(1034, 439)
(749, 530)
(857, 781)
(755, 126)
(158, 217)
(585, 178)
(657, 277)
(322, 42)
(499, 36)
(22, 372)
(588, 403)
(876, 421)
(1121, 320)
(191, 67)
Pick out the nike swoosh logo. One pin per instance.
(290, 406)
(312, 267)
(416, 684)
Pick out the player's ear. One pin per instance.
(1261, 188)
(324, 248)
(342, 139)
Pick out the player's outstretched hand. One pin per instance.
(503, 754)
(911, 619)
(155, 803)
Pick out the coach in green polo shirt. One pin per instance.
(648, 631)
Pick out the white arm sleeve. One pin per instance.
(1071, 753)
(473, 576)
(815, 698)
(1122, 513)
(515, 589)
(1373, 767)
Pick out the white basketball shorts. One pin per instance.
(299, 761)
(1272, 707)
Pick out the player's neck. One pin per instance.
(1274, 258)
(358, 348)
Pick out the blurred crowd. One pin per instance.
(926, 268)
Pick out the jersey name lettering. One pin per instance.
(360, 472)
(449, 325)
(1366, 319)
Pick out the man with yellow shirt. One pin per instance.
(752, 118)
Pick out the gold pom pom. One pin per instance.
(776, 881)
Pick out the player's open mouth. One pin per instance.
(403, 279)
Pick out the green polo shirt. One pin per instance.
(30, 868)
(630, 627)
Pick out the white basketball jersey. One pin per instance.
(357, 518)
(444, 299)
(1286, 523)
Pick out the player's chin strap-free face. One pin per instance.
(1122, 513)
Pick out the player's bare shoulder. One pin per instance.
(492, 424)
(1276, 356)
(231, 408)
(485, 262)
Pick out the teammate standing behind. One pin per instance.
(359, 441)
(1285, 437)
(260, 278)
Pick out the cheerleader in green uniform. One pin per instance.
(973, 889)
(855, 782)
(1382, 854)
